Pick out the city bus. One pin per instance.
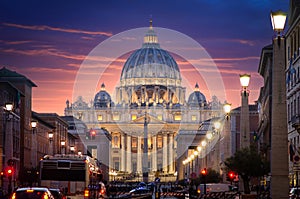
(73, 174)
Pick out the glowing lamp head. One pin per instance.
(203, 143)
(209, 136)
(217, 125)
(199, 148)
(227, 108)
(9, 106)
(245, 79)
(33, 124)
(278, 19)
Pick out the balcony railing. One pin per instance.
(295, 121)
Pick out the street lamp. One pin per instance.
(33, 124)
(9, 106)
(278, 19)
(227, 109)
(244, 118)
(279, 133)
(62, 144)
(50, 136)
(72, 149)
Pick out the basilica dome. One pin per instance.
(102, 98)
(150, 64)
(197, 98)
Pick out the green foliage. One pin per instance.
(247, 163)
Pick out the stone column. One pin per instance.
(279, 132)
(122, 152)
(154, 154)
(128, 159)
(244, 121)
(165, 152)
(139, 155)
(171, 153)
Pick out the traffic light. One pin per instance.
(9, 172)
(2, 175)
(92, 134)
(204, 172)
(231, 175)
(87, 136)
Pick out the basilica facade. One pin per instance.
(151, 115)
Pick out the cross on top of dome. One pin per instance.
(150, 37)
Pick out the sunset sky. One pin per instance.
(49, 41)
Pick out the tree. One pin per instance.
(247, 163)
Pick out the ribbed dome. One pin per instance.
(102, 98)
(150, 61)
(197, 98)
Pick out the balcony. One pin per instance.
(295, 121)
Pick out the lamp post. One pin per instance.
(244, 118)
(50, 137)
(203, 144)
(34, 143)
(279, 133)
(217, 126)
(72, 149)
(62, 144)
(145, 150)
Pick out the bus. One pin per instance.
(73, 174)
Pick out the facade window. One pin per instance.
(99, 118)
(116, 141)
(177, 117)
(194, 117)
(159, 117)
(159, 142)
(134, 143)
(133, 117)
(116, 117)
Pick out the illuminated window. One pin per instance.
(133, 117)
(194, 117)
(134, 143)
(159, 117)
(116, 141)
(159, 142)
(177, 117)
(99, 117)
(116, 117)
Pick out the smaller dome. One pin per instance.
(197, 98)
(102, 98)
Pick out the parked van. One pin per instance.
(216, 187)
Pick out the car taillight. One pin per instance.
(45, 196)
(13, 196)
(86, 193)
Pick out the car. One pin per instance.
(295, 193)
(32, 193)
(57, 193)
(139, 192)
(102, 190)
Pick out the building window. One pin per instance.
(133, 117)
(99, 118)
(159, 117)
(116, 141)
(194, 117)
(159, 142)
(116, 117)
(134, 143)
(177, 117)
